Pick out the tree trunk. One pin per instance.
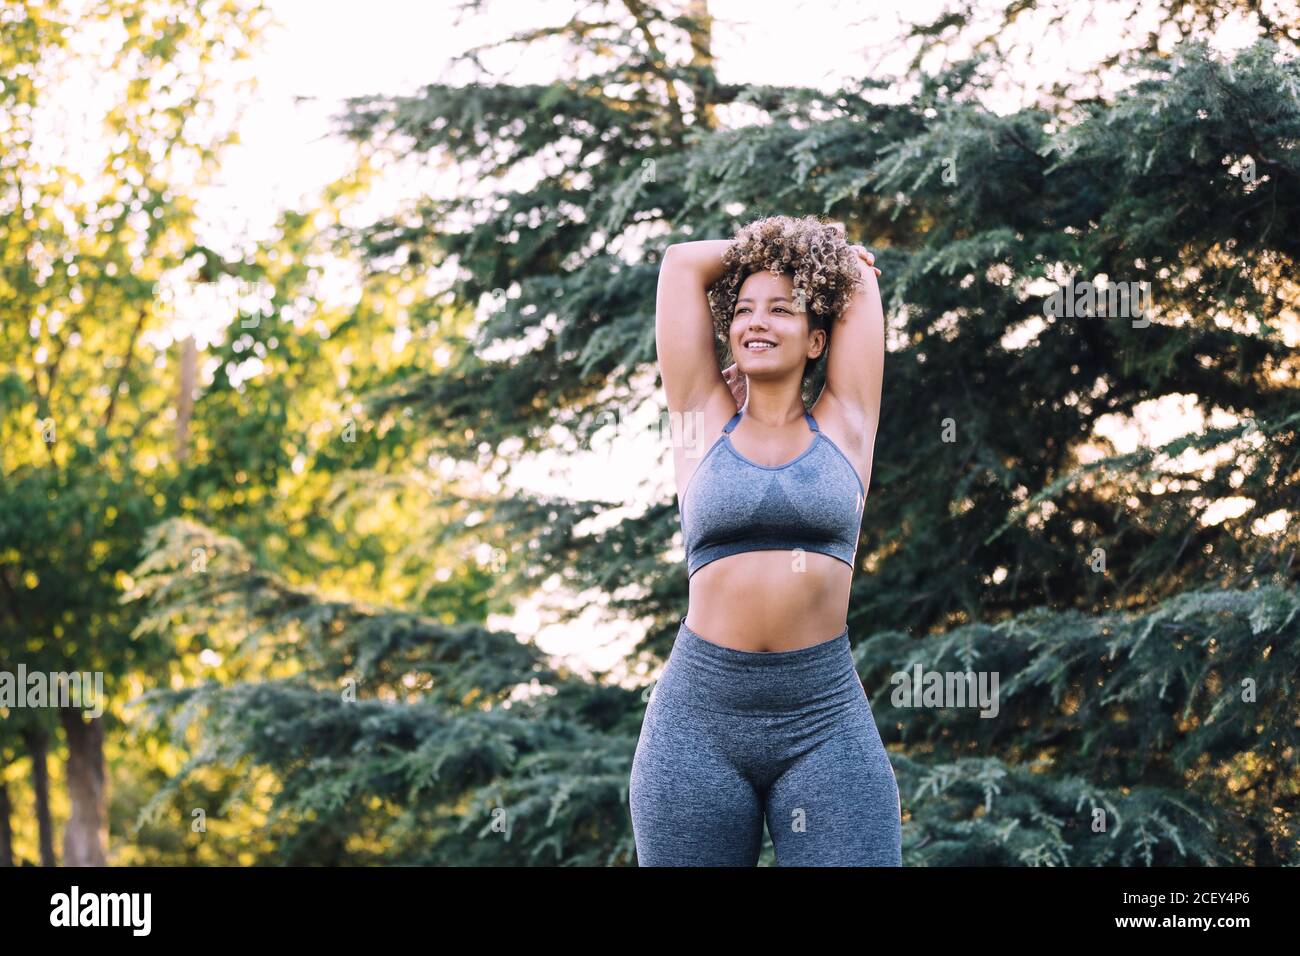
(38, 745)
(85, 838)
(189, 374)
(6, 833)
(702, 56)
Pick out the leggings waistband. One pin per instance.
(709, 676)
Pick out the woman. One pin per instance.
(759, 713)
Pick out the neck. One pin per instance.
(773, 407)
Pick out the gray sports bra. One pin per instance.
(732, 504)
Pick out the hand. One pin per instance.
(862, 252)
(738, 382)
(867, 256)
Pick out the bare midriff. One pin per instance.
(770, 600)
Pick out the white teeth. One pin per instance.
(755, 346)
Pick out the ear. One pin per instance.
(816, 343)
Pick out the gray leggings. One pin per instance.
(732, 737)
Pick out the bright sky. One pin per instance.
(325, 50)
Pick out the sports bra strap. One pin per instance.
(812, 422)
(731, 424)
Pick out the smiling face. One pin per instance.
(765, 312)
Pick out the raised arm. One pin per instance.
(856, 363)
(684, 337)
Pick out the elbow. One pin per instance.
(675, 260)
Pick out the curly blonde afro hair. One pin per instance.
(817, 258)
